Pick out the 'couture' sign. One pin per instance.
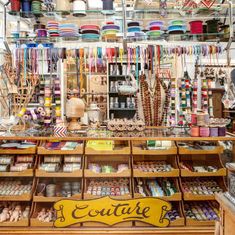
(109, 211)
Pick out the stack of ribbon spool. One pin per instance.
(68, 30)
(177, 27)
(155, 29)
(110, 30)
(90, 32)
(134, 30)
(53, 28)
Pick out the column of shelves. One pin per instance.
(141, 157)
(100, 183)
(198, 166)
(64, 180)
(17, 163)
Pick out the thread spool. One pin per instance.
(196, 27)
(194, 119)
(212, 26)
(15, 6)
(195, 131)
(214, 131)
(79, 8)
(63, 6)
(108, 7)
(222, 131)
(41, 33)
(51, 190)
(202, 119)
(204, 131)
(36, 7)
(26, 8)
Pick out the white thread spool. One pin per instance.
(63, 6)
(79, 8)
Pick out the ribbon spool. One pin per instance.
(212, 26)
(37, 7)
(214, 131)
(63, 6)
(79, 8)
(204, 131)
(41, 33)
(26, 8)
(15, 7)
(196, 27)
(108, 8)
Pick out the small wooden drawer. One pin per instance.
(196, 197)
(217, 149)
(43, 198)
(140, 148)
(171, 160)
(20, 223)
(42, 150)
(90, 196)
(60, 174)
(202, 160)
(120, 148)
(114, 161)
(175, 197)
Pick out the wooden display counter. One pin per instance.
(134, 152)
(227, 219)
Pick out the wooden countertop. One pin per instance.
(226, 204)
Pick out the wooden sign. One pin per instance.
(109, 211)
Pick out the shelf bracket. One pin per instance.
(4, 5)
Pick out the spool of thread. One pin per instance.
(36, 7)
(43, 113)
(203, 119)
(212, 26)
(108, 7)
(41, 33)
(195, 131)
(26, 8)
(196, 27)
(63, 6)
(194, 119)
(15, 6)
(79, 8)
(222, 131)
(214, 131)
(204, 131)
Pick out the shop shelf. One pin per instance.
(185, 150)
(55, 199)
(112, 162)
(18, 151)
(175, 197)
(26, 173)
(202, 160)
(168, 159)
(23, 198)
(59, 174)
(120, 148)
(196, 197)
(139, 148)
(90, 196)
(43, 151)
(192, 222)
(44, 174)
(20, 223)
